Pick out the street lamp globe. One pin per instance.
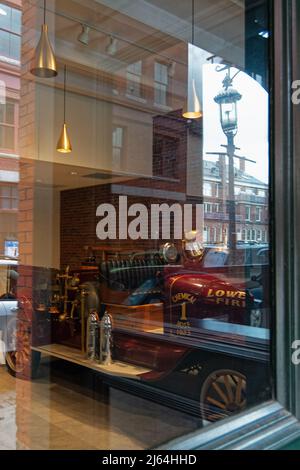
(227, 100)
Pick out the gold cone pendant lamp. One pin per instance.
(44, 63)
(192, 107)
(64, 143)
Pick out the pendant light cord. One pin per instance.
(44, 11)
(193, 21)
(65, 84)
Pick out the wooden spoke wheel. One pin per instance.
(223, 393)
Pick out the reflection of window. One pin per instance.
(258, 213)
(243, 234)
(160, 83)
(207, 189)
(117, 146)
(258, 235)
(211, 208)
(11, 248)
(7, 125)
(134, 79)
(8, 197)
(10, 31)
(248, 213)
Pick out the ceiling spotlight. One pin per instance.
(111, 48)
(84, 36)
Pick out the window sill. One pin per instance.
(265, 427)
(162, 107)
(135, 98)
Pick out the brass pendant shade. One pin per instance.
(192, 106)
(64, 144)
(44, 62)
(192, 109)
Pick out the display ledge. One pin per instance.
(116, 369)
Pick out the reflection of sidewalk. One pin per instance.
(8, 428)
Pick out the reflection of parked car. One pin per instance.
(8, 306)
(249, 263)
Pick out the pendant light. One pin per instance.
(44, 63)
(192, 107)
(64, 143)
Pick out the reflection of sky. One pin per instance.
(252, 135)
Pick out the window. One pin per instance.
(207, 189)
(160, 83)
(134, 79)
(10, 34)
(211, 207)
(117, 147)
(11, 248)
(189, 343)
(258, 214)
(8, 197)
(258, 235)
(8, 125)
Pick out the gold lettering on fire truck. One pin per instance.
(183, 325)
(234, 298)
(183, 297)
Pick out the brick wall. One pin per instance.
(79, 221)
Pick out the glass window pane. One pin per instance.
(143, 248)
(5, 16)
(4, 43)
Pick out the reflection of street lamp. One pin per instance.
(227, 100)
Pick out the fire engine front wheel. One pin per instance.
(223, 393)
(20, 360)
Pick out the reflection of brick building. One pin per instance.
(251, 196)
(10, 38)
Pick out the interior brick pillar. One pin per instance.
(26, 218)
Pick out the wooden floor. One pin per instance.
(65, 409)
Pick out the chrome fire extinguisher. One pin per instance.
(92, 336)
(105, 339)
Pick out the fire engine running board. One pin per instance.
(116, 369)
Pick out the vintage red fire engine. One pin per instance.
(185, 330)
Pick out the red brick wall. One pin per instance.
(79, 221)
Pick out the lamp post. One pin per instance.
(227, 100)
